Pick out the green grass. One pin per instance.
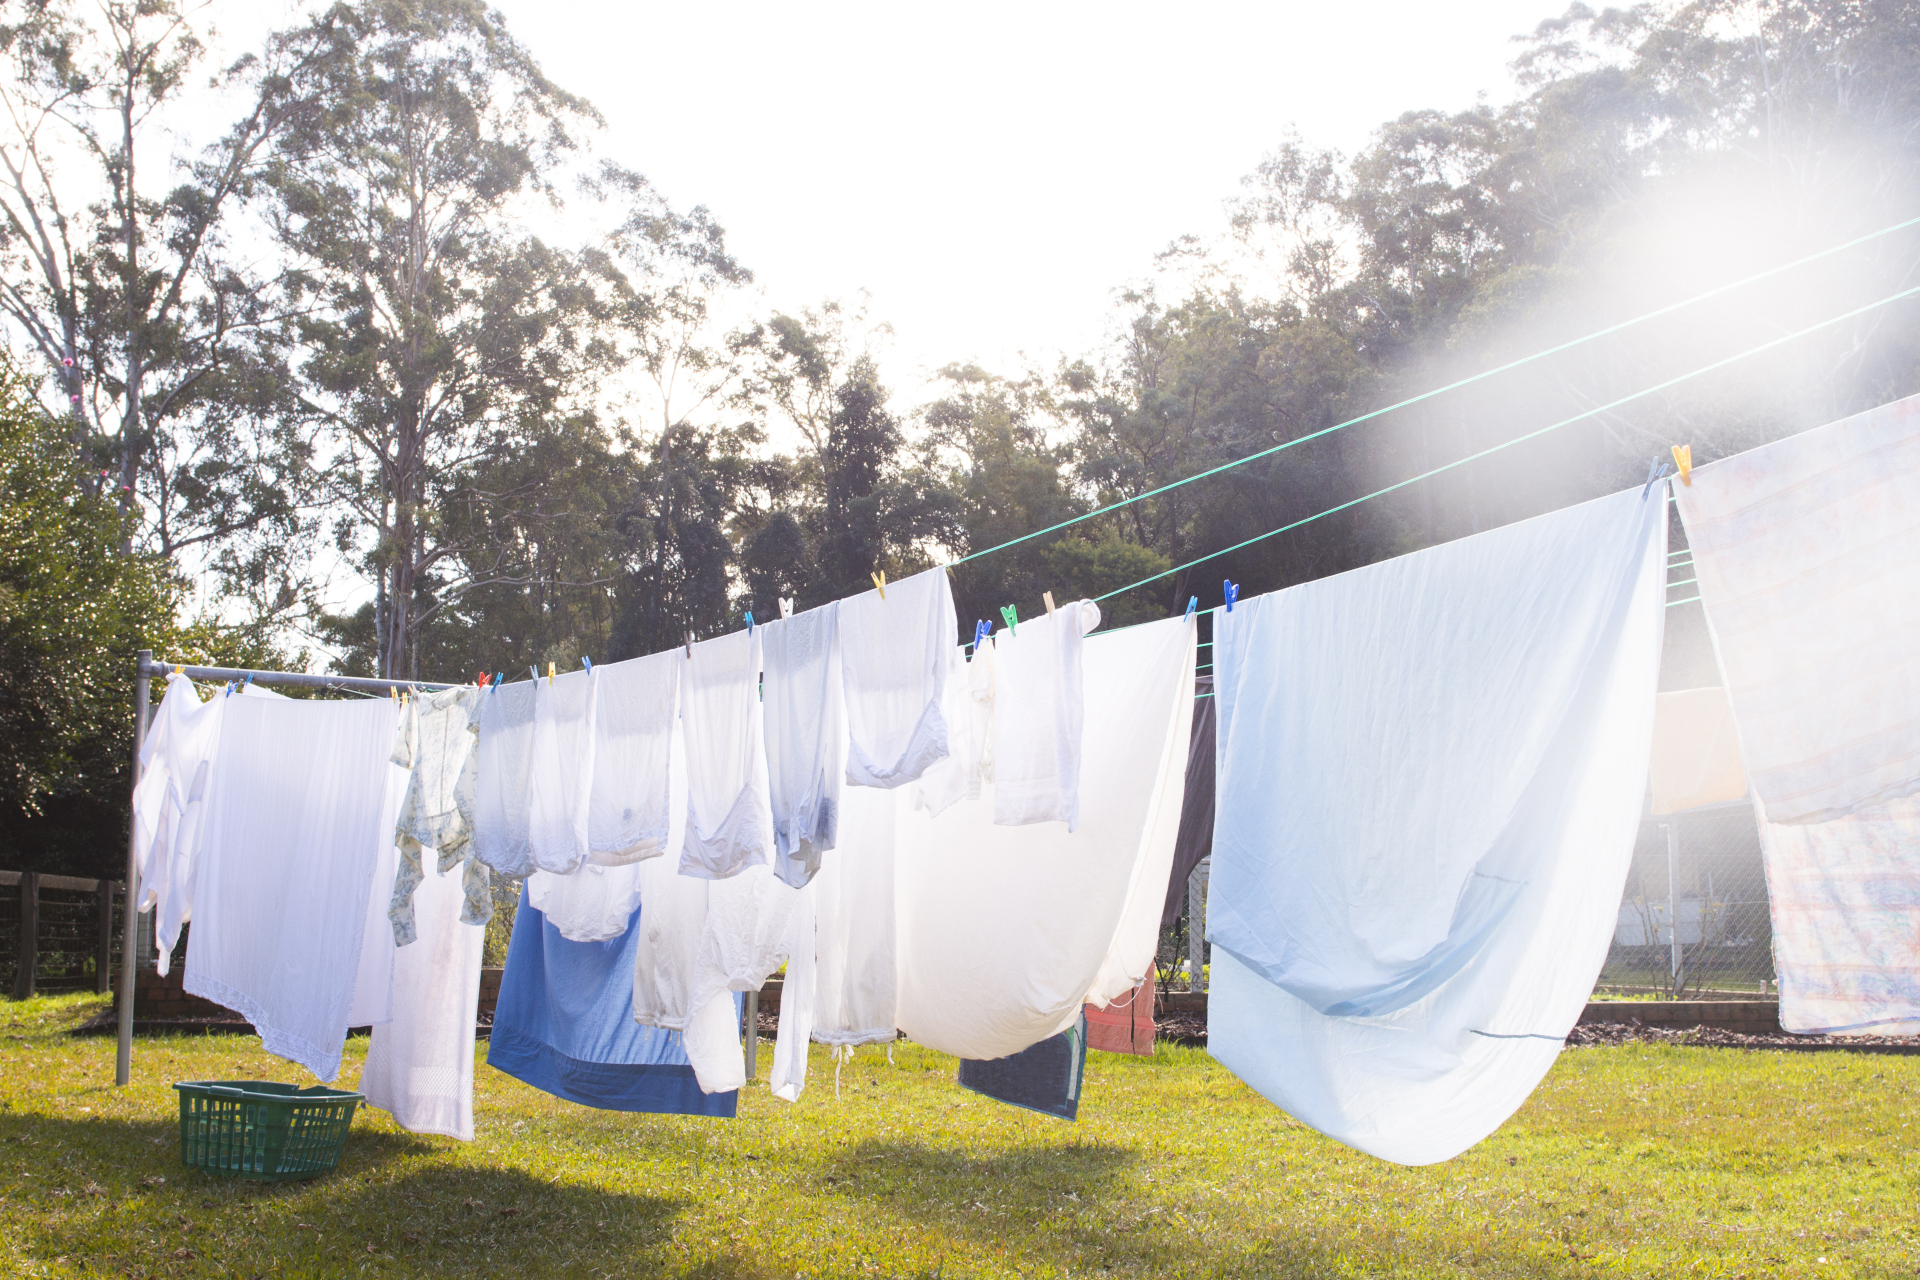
(1643, 1161)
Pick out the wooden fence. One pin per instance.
(58, 933)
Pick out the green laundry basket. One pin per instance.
(261, 1130)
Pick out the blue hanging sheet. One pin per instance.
(564, 1024)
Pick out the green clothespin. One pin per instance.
(1012, 617)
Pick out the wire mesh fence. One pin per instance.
(1694, 918)
(67, 935)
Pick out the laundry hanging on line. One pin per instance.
(1808, 555)
(1430, 774)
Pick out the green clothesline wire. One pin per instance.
(1451, 386)
(1474, 457)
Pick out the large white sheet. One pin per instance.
(1430, 775)
(169, 806)
(299, 808)
(1808, 554)
(1004, 932)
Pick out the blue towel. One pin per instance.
(564, 1024)
(1044, 1077)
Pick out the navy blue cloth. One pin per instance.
(564, 1024)
(1044, 1077)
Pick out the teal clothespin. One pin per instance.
(499, 678)
(1013, 618)
(749, 622)
(1193, 602)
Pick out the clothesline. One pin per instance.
(1531, 435)
(1452, 386)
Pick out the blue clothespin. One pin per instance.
(1655, 473)
(749, 622)
(589, 661)
(499, 678)
(981, 630)
(1232, 592)
(1012, 617)
(534, 671)
(1193, 602)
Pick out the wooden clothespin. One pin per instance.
(880, 582)
(393, 693)
(1683, 459)
(1048, 597)
(1232, 594)
(1012, 617)
(786, 608)
(549, 673)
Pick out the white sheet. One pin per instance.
(894, 653)
(503, 778)
(633, 731)
(1430, 776)
(298, 809)
(806, 738)
(561, 775)
(729, 825)
(1808, 555)
(169, 806)
(1696, 752)
(1037, 714)
(1003, 932)
(419, 1065)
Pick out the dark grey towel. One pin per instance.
(1044, 1077)
(1195, 840)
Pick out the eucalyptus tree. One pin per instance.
(120, 274)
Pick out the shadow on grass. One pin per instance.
(116, 1194)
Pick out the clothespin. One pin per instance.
(1193, 602)
(589, 662)
(393, 693)
(786, 608)
(1233, 593)
(248, 681)
(880, 582)
(981, 630)
(479, 679)
(1012, 617)
(689, 645)
(1683, 460)
(179, 670)
(1047, 596)
(749, 622)
(1658, 469)
(535, 673)
(549, 673)
(499, 678)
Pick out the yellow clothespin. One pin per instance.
(179, 670)
(393, 693)
(880, 582)
(1683, 462)
(1048, 597)
(549, 673)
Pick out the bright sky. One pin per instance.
(992, 173)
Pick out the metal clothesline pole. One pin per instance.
(145, 669)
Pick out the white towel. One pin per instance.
(1038, 710)
(1003, 933)
(806, 738)
(504, 762)
(1430, 774)
(633, 732)
(298, 809)
(419, 1064)
(561, 775)
(729, 826)
(1808, 555)
(895, 656)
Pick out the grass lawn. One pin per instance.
(1645, 1161)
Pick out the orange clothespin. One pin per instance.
(1683, 462)
(880, 582)
(1048, 597)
